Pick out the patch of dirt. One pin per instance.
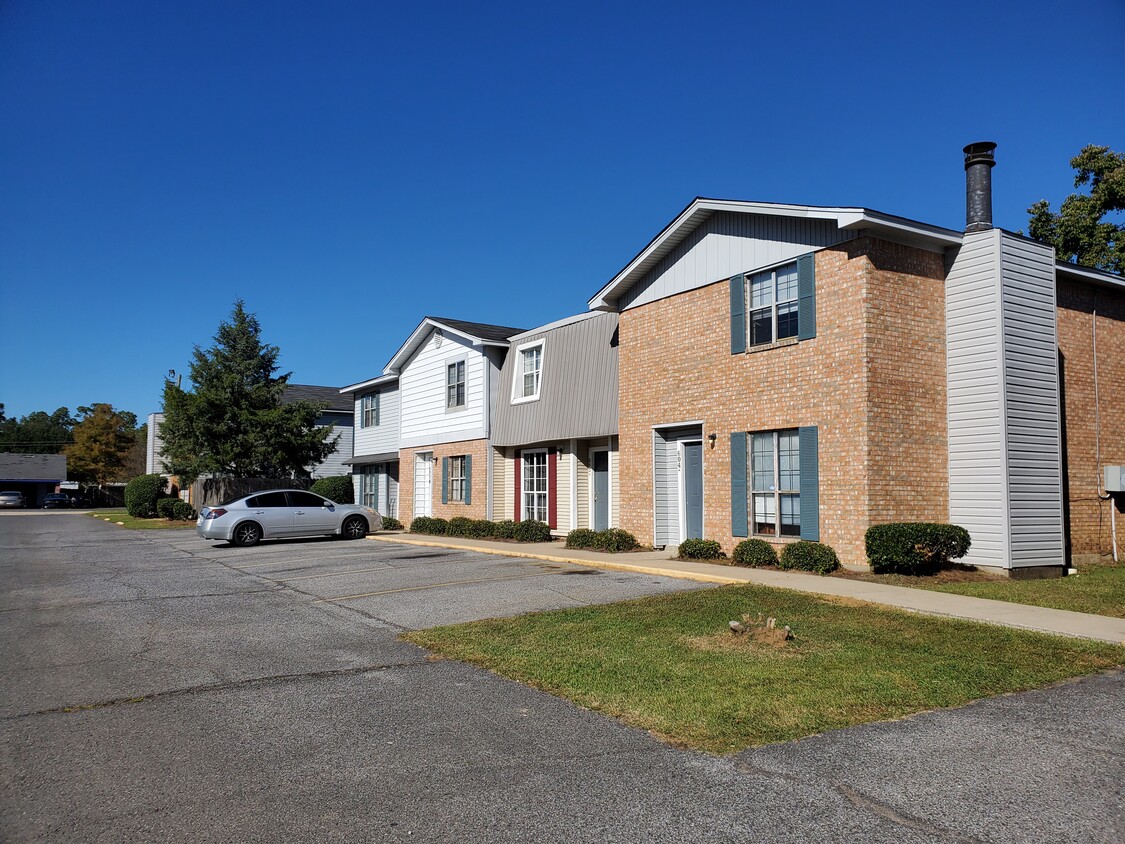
(953, 574)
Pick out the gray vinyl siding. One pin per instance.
(333, 465)
(578, 385)
(1032, 403)
(1005, 479)
(726, 244)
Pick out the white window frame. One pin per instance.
(775, 488)
(369, 485)
(464, 384)
(369, 410)
(773, 306)
(518, 395)
(524, 492)
(456, 492)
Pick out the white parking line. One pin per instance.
(334, 574)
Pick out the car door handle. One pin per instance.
(300, 512)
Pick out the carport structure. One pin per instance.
(35, 475)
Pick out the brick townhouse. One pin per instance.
(793, 372)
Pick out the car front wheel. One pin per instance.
(247, 534)
(355, 527)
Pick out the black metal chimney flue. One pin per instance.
(979, 162)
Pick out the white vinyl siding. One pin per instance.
(425, 418)
(666, 477)
(725, 244)
(369, 410)
(383, 437)
(1005, 483)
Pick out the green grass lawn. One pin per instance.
(670, 665)
(1097, 589)
(118, 514)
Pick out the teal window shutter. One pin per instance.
(468, 479)
(810, 484)
(739, 517)
(445, 480)
(377, 401)
(806, 297)
(737, 315)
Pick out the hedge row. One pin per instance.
(914, 547)
(612, 540)
(338, 488)
(802, 556)
(529, 531)
(174, 508)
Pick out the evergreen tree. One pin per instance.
(234, 422)
(37, 433)
(1078, 232)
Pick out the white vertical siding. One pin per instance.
(562, 486)
(503, 484)
(666, 482)
(728, 243)
(614, 486)
(381, 438)
(425, 419)
(1032, 403)
(585, 481)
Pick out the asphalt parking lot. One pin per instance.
(157, 687)
(409, 587)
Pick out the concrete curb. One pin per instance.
(1005, 613)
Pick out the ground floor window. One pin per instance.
(457, 479)
(534, 482)
(776, 483)
(369, 485)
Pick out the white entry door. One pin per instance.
(424, 484)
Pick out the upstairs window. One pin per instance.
(772, 295)
(529, 372)
(455, 385)
(369, 405)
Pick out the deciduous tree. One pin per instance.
(1079, 232)
(103, 438)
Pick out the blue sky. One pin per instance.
(349, 167)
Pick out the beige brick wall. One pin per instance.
(877, 365)
(1089, 517)
(476, 510)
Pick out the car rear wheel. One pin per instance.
(247, 534)
(355, 527)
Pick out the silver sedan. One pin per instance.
(280, 513)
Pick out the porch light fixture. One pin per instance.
(712, 438)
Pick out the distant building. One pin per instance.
(337, 416)
(35, 475)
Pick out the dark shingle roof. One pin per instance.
(309, 392)
(32, 467)
(480, 330)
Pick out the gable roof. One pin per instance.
(310, 392)
(478, 333)
(700, 208)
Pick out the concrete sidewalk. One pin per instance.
(1042, 619)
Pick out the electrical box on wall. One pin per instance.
(1115, 478)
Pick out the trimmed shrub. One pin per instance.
(533, 531)
(700, 549)
(460, 526)
(338, 488)
(391, 523)
(164, 507)
(141, 495)
(615, 540)
(916, 548)
(753, 553)
(581, 538)
(430, 526)
(809, 556)
(506, 529)
(182, 511)
(480, 529)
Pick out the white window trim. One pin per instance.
(773, 306)
(459, 408)
(523, 478)
(376, 401)
(453, 479)
(517, 371)
(777, 535)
